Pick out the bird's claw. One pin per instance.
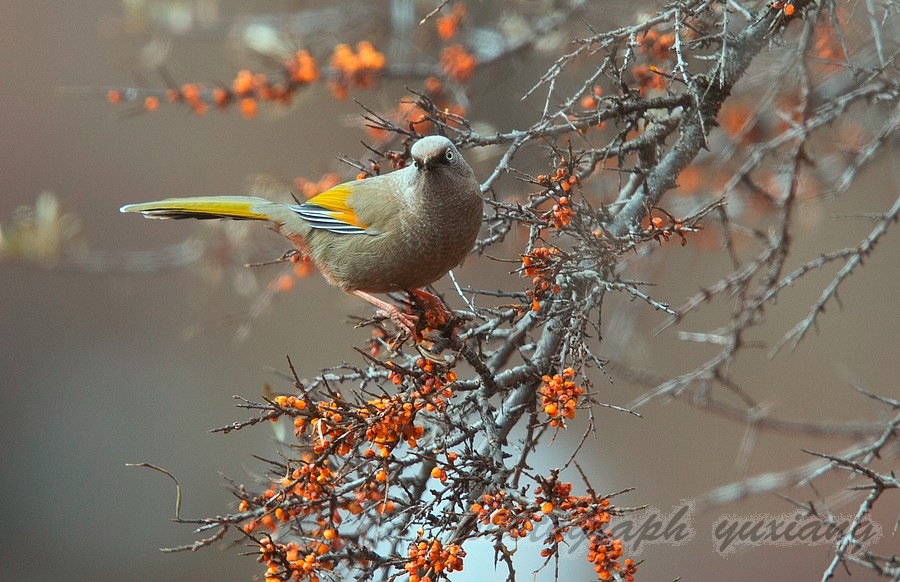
(405, 321)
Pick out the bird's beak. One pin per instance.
(425, 163)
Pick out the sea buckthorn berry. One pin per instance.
(458, 63)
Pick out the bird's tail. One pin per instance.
(206, 207)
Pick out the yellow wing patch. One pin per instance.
(334, 202)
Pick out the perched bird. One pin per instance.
(395, 232)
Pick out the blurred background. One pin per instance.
(100, 369)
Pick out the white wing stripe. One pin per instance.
(321, 218)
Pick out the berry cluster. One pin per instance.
(355, 69)
(458, 63)
(649, 79)
(499, 510)
(291, 561)
(563, 177)
(657, 46)
(382, 422)
(659, 229)
(426, 557)
(540, 264)
(559, 397)
(591, 515)
(561, 214)
(247, 89)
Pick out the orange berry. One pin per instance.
(220, 96)
(282, 284)
(303, 68)
(447, 27)
(190, 92)
(199, 107)
(151, 103)
(789, 9)
(456, 62)
(114, 96)
(243, 82)
(433, 85)
(370, 58)
(248, 107)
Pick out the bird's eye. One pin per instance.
(449, 155)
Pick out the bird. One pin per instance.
(398, 231)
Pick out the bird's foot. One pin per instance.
(428, 322)
(405, 321)
(434, 313)
(437, 325)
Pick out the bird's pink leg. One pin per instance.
(404, 320)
